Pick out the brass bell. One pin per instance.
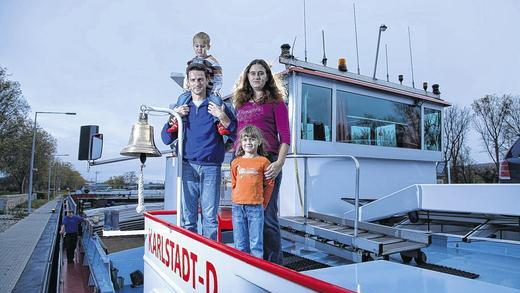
(141, 140)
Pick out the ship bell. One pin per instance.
(141, 140)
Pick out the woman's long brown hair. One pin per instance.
(274, 91)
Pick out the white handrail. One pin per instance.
(180, 146)
(356, 162)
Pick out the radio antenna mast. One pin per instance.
(386, 59)
(324, 60)
(293, 43)
(305, 30)
(411, 59)
(355, 30)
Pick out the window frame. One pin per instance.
(304, 146)
(331, 113)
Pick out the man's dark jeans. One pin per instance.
(70, 245)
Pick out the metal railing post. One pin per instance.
(305, 201)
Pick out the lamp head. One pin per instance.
(383, 28)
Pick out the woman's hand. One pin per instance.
(273, 170)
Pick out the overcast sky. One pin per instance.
(103, 59)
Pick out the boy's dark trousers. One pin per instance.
(70, 245)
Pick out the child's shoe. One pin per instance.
(173, 128)
(222, 130)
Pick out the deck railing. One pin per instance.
(356, 162)
(98, 261)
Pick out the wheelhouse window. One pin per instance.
(316, 112)
(432, 129)
(372, 121)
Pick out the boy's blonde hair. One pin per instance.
(251, 132)
(204, 37)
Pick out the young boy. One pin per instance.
(201, 45)
(251, 192)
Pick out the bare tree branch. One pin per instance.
(491, 113)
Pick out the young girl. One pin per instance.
(250, 191)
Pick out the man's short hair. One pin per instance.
(198, 67)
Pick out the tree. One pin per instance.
(17, 154)
(13, 115)
(464, 171)
(455, 130)
(116, 182)
(491, 113)
(64, 176)
(130, 178)
(16, 132)
(513, 119)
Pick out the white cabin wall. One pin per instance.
(326, 181)
(289, 198)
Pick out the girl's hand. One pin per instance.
(216, 111)
(182, 110)
(273, 170)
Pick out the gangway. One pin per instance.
(351, 239)
(336, 236)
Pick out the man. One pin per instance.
(69, 227)
(204, 151)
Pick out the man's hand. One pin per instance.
(182, 110)
(216, 111)
(220, 113)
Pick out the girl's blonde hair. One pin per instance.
(251, 132)
(274, 89)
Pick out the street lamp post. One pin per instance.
(49, 174)
(382, 28)
(95, 181)
(31, 168)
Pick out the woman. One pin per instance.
(259, 100)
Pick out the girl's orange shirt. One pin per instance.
(248, 183)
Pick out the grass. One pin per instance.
(20, 211)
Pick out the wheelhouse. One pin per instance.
(394, 131)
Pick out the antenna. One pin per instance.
(386, 59)
(411, 60)
(355, 30)
(292, 49)
(324, 60)
(382, 28)
(305, 30)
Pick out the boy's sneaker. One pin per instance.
(173, 128)
(222, 130)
